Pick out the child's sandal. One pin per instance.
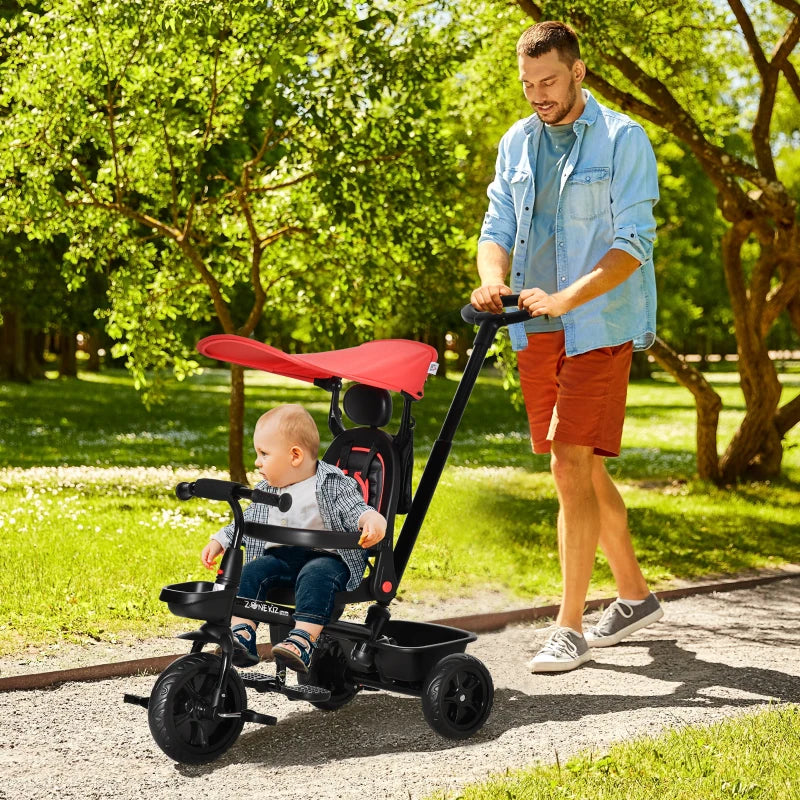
(245, 653)
(296, 650)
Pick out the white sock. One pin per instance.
(631, 602)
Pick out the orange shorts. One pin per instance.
(577, 399)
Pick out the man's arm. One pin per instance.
(493, 263)
(613, 268)
(634, 191)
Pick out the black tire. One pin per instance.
(178, 709)
(458, 696)
(329, 670)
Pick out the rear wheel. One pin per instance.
(458, 696)
(329, 670)
(179, 709)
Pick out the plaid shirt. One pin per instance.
(341, 505)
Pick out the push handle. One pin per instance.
(472, 316)
(212, 489)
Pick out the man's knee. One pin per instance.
(572, 465)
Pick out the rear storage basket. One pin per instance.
(411, 649)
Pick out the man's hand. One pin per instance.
(487, 298)
(373, 528)
(538, 303)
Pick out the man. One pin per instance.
(573, 199)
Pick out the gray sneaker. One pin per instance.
(620, 620)
(563, 651)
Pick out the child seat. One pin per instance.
(370, 456)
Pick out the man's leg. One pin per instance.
(579, 526)
(635, 607)
(615, 537)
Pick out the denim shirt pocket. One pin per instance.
(519, 183)
(588, 193)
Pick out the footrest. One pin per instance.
(260, 682)
(267, 683)
(313, 694)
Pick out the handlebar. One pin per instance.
(211, 489)
(472, 316)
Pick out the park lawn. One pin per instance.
(87, 476)
(752, 757)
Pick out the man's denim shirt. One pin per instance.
(608, 189)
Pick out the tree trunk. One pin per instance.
(236, 467)
(34, 353)
(93, 350)
(755, 442)
(68, 363)
(12, 348)
(708, 404)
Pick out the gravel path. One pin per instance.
(711, 656)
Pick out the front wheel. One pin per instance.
(179, 713)
(458, 696)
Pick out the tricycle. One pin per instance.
(198, 705)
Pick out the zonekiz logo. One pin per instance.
(266, 608)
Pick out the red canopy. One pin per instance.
(399, 365)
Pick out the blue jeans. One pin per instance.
(314, 576)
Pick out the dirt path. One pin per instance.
(711, 656)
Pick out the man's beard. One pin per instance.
(561, 110)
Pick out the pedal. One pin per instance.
(262, 719)
(136, 700)
(312, 694)
(260, 682)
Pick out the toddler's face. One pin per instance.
(273, 455)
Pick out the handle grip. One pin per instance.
(282, 501)
(212, 489)
(472, 316)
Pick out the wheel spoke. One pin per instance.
(182, 720)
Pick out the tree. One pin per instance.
(271, 166)
(36, 302)
(716, 79)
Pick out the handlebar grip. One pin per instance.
(209, 489)
(282, 501)
(472, 316)
(183, 491)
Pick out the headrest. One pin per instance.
(367, 405)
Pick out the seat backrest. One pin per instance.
(367, 453)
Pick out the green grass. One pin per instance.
(753, 757)
(87, 476)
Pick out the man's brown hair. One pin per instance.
(543, 37)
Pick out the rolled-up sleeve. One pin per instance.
(634, 192)
(499, 223)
